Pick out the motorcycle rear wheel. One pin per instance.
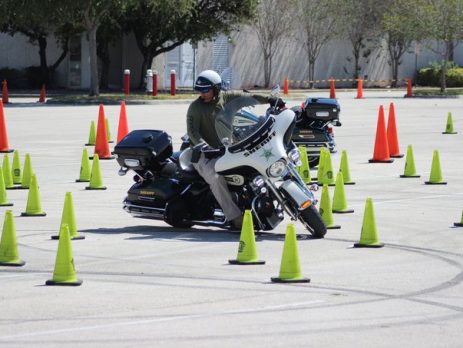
(313, 221)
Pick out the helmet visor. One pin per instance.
(202, 89)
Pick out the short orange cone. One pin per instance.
(3, 134)
(5, 98)
(101, 144)
(392, 139)
(247, 254)
(64, 272)
(359, 88)
(381, 150)
(332, 89)
(43, 95)
(123, 128)
(8, 246)
(290, 269)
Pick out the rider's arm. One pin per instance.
(192, 125)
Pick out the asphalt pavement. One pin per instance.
(146, 284)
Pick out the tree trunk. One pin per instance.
(43, 60)
(443, 82)
(311, 73)
(103, 55)
(94, 87)
(266, 70)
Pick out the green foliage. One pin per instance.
(430, 76)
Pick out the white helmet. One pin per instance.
(208, 79)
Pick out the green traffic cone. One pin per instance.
(321, 164)
(459, 224)
(304, 169)
(33, 207)
(108, 132)
(449, 125)
(16, 169)
(3, 196)
(409, 170)
(64, 272)
(339, 196)
(435, 177)
(325, 209)
(96, 181)
(290, 269)
(247, 254)
(327, 176)
(68, 218)
(369, 235)
(7, 177)
(344, 168)
(27, 172)
(8, 246)
(92, 134)
(85, 172)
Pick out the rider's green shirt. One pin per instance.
(201, 116)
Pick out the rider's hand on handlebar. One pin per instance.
(277, 102)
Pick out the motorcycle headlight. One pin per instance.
(295, 157)
(277, 169)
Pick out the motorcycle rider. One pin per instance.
(201, 128)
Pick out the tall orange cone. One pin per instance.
(3, 134)
(332, 89)
(392, 140)
(96, 181)
(369, 234)
(33, 207)
(8, 246)
(43, 95)
(359, 88)
(101, 143)
(3, 195)
(381, 151)
(247, 254)
(290, 269)
(5, 98)
(64, 272)
(68, 218)
(91, 135)
(123, 128)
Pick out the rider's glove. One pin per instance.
(278, 102)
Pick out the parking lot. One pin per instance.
(146, 284)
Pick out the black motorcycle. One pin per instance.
(315, 119)
(258, 160)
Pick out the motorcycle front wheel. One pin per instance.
(313, 221)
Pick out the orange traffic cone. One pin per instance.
(392, 140)
(101, 143)
(381, 151)
(332, 90)
(43, 96)
(409, 88)
(123, 128)
(5, 99)
(286, 87)
(3, 135)
(359, 88)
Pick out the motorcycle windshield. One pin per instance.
(237, 120)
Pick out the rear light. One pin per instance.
(330, 130)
